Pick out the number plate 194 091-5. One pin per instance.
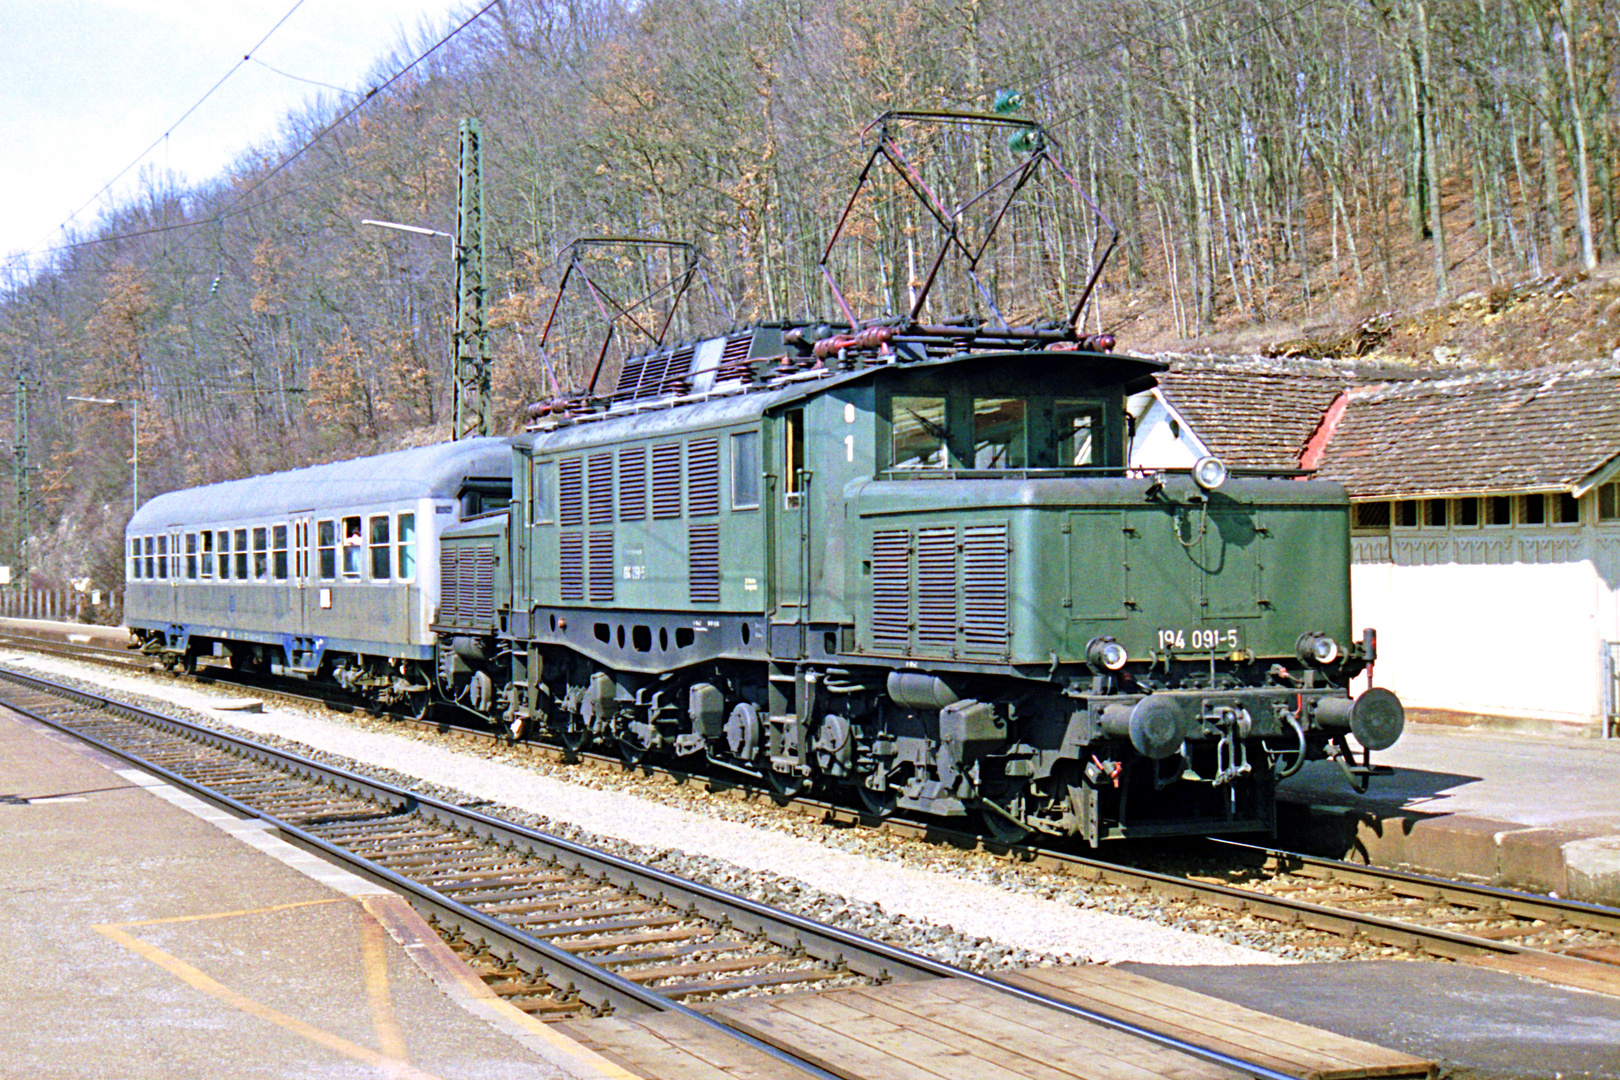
(1200, 639)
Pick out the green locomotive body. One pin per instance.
(914, 566)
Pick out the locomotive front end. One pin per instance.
(1084, 649)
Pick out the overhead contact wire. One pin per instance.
(171, 128)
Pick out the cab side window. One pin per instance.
(1077, 429)
(919, 433)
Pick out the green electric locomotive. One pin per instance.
(910, 563)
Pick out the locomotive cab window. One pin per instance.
(793, 458)
(405, 536)
(543, 511)
(1077, 432)
(999, 440)
(745, 470)
(918, 425)
(382, 561)
(353, 541)
(326, 549)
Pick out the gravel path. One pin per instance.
(966, 908)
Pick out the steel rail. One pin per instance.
(1510, 902)
(1393, 931)
(557, 964)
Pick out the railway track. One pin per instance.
(560, 931)
(1332, 900)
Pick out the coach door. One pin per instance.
(303, 571)
(173, 566)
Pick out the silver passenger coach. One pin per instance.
(330, 570)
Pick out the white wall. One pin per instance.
(1163, 440)
(1505, 622)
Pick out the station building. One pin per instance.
(1485, 517)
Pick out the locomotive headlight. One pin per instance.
(1316, 649)
(1106, 653)
(1209, 472)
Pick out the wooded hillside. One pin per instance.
(1273, 166)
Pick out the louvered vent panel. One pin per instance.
(984, 588)
(629, 379)
(467, 586)
(484, 586)
(936, 589)
(570, 493)
(602, 568)
(703, 558)
(703, 477)
(600, 495)
(449, 605)
(891, 589)
(675, 379)
(633, 484)
(736, 350)
(666, 480)
(571, 566)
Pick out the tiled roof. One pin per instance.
(1254, 414)
(1545, 429)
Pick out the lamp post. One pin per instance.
(455, 247)
(469, 350)
(134, 443)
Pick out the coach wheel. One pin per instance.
(186, 663)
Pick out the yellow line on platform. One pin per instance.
(386, 1063)
(230, 914)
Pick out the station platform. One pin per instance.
(144, 934)
(1526, 810)
(70, 632)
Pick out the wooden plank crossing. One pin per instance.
(1279, 1044)
(949, 1029)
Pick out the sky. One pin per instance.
(86, 86)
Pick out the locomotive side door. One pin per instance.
(789, 541)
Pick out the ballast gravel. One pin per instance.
(964, 908)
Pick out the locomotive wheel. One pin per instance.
(998, 809)
(634, 740)
(631, 750)
(574, 734)
(785, 785)
(877, 803)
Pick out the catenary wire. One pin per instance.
(168, 131)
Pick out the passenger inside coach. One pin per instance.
(353, 542)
